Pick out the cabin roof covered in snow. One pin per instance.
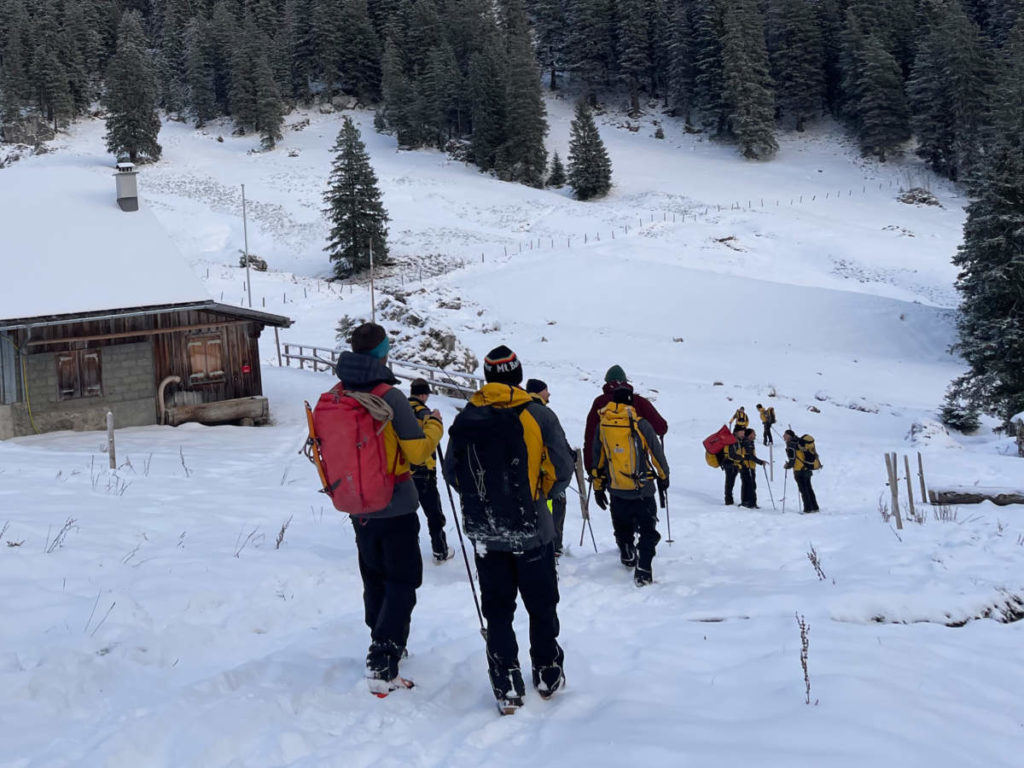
(66, 247)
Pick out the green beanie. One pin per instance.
(615, 373)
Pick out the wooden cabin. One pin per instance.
(99, 311)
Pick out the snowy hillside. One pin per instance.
(201, 605)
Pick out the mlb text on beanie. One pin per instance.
(502, 365)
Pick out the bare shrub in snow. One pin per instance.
(280, 534)
(58, 540)
(816, 562)
(805, 631)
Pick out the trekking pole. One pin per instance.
(668, 517)
(769, 484)
(784, 479)
(462, 544)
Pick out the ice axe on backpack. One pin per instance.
(462, 544)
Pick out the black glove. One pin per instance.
(601, 498)
(788, 465)
(662, 484)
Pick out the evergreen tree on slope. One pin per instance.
(131, 95)
(991, 259)
(747, 86)
(590, 170)
(354, 207)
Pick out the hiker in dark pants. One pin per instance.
(803, 460)
(507, 455)
(621, 433)
(425, 478)
(767, 420)
(731, 462)
(748, 469)
(539, 390)
(388, 540)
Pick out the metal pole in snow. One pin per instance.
(245, 236)
(111, 452)
(373, 300)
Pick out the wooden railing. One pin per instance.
(308, 356)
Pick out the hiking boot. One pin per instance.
(444, 555)
(627, 555)
(382, 661)
(729, 502)
(642, 577)
(548, 679)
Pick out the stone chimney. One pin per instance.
(127, 187)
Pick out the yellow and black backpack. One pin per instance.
(625, 462)
(806, 454)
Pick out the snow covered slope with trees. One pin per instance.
(201, 604)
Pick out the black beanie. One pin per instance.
(367, 338)
(419, 387)
(533, 386)
(502, 365)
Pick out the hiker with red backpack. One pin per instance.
(629, 464)
(507, 455)
(614, 379)
(731, 462)
(425, 477)
(749, 463)
(387, 538)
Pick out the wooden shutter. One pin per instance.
(67, 376)
(89, 373)
(206, 359)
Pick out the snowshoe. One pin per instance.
(627, 555)
(642, 577)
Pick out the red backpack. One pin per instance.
(719, 441)
(347, 445)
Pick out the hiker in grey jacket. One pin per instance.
(388, 541)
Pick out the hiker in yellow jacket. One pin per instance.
(425, 477)
(767, 420)
(629, 464)
(741, 418)
(748, 469)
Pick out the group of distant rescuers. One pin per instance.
(510, 463)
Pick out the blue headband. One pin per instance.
(381, 350)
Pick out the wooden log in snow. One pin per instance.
(998, 497)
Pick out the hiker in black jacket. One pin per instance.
(539, 390)
(507, 455)
(731, 462)
(425, 478)
(748, 469)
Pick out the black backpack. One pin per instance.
(492, 475)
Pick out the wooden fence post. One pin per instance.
(890, 468)
(111, 451)
(920, 475)
(910, 487)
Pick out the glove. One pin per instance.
(788, 465)
(601, 498)
(662, 484)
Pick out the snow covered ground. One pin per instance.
(200, 605)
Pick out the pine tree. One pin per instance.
(746, 83)
(550, 28)
(525, 124)
(557, 178)
(589, 47)
(634, 60)
(708, 30)
(949, 91)
(360, 50)
(488, 105)
(255, 101)
(131, 95)
(991, 259)
(172, 61)
(354, 208)
(200, 77)
(882, 113)
(680, 61)
(401, 108)
(797, 59)
(15, 57)
(590, 170)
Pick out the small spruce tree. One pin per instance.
(557, 177)
(354, 207)
(590, 170)
(131, 95)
